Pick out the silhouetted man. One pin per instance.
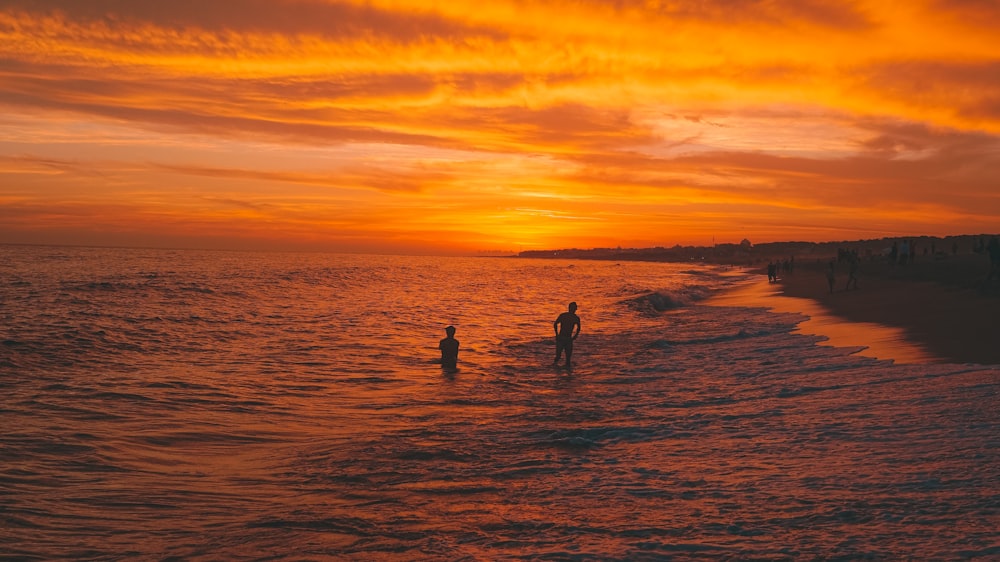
(852, 272)
(565, 334)
(449, 349)
(993, 249)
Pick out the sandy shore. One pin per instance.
(938, 303)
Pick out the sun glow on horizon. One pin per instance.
(405, 126)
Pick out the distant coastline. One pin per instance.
(749, 254)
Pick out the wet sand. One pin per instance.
(933, 310)
(868, 338)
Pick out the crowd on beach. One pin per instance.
(786, 266)
(993, 251)
(899, 258)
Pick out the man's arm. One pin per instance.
(577, 328)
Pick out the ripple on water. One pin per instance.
(238, 405)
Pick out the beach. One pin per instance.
(938, 302)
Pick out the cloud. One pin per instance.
(316, 116)
(836, 14)
(338, 20)
(969, 89)
(973, 13)
(39, 165)
(895, 164)
(355, 177)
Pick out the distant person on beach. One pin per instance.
(993, 250)
(564, 326)
(449, 349)
(852, 272)
(831, 275)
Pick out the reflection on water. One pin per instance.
(210, 405)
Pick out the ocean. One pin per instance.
(203, 405)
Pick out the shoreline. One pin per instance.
(869, 339)
(930, 311)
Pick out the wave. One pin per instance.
(664, 343)
(668, 299)
(143, 284)
(592, 437)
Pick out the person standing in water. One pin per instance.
(449, 349)
(565, 334)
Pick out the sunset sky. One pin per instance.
(415, 126)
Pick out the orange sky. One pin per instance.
(459, 126)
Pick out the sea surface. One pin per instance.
(191, 405)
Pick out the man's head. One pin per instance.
(572, 307)
(450, 330)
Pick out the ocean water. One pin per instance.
(195, 405)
